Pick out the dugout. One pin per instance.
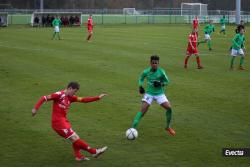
(45, 19)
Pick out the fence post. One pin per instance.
(125, 18)
(102, 14)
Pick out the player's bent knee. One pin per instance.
(74, 137)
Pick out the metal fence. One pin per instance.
(158, 11)
(116, 16)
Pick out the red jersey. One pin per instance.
(195, 23)
(90, 23)
(61, 104)
(192, 38)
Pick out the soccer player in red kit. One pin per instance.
(90, 27)
(196, 24)
(60, 124)
(192, 49)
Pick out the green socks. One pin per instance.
(56, 33)
(232, 61)
(241, 61)
(209, 44)
(168, 117)
(137, 119)
(139, 116)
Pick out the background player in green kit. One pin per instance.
(237, 48)
(208, 30)
(223, 25)
(156, 80)
(56, 24)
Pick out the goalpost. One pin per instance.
(130, 11)
(3, 19)
(46, 18)
(196, 9)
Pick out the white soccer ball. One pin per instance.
(131, 134)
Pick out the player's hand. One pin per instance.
(102, 95)
(141, 90)
(33, 112)
(157, 84)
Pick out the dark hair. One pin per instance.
(240, 27)
(74, 85)
(154, 57)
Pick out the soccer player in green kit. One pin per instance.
(156, 80)
(223, 25)
(237, 48)
(208, 30)
(56, 24)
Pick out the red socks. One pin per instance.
(80, 144)
(198, 61)
(186, 60)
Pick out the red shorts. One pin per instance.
(65, 133)
(191, 51)
(90, 30)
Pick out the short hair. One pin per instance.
(154, 57)
(74, 85)
(240, 27)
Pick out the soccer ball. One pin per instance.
(131, 134)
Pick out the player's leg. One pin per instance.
(199, 66)
(79, 144)
(241, 59)
(146, 102)
(54, 34)
(163, 101)
(233, 55)
(204, 41)
(58, 35)
(58, 32)
(209, 43)
(89, 35)
(188, 54)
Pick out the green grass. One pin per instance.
(211, 106)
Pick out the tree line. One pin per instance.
(119, 4)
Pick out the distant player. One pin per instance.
(208, 30)
(90, 26)
(156, 80)
(60, 124)
(223, 25)
(192, 49)
(56, 23)
(237, 48)
(196, 25)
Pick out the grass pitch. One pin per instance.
(211, 106)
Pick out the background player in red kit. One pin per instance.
(60, 124)
(192, 49)
(90, 27)
(196, 24)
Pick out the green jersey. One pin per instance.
(238, 41)
(56, 22)
(158, 75)
(222, 21)
(209, 28)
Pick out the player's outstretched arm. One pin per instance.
(102, 95)
(90, 99)
(33, 112)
